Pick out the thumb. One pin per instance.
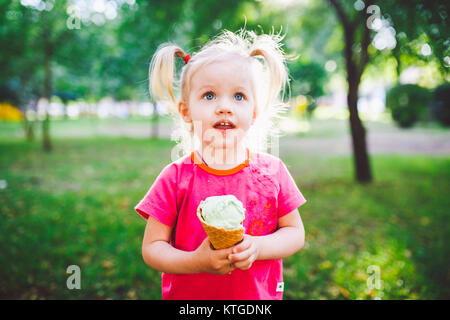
(224, 253)
(242, 245)
(206, 243)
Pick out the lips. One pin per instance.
(224, 125)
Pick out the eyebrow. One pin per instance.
(205, 87)
(239, 88)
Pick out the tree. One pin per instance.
(416, 23)
(18, 64)
(40, 55)
(62, 46)
(308, 80)
(413, 19)
(357, 40)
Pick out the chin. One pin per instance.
(229, 141)
(216, 139)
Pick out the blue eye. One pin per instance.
(239, 96)
(209, 96)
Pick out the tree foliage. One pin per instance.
(111, 59)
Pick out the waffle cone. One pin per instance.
(220, 238)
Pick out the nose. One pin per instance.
(224, 108)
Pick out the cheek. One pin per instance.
(197, 111)
(246, 115)
(200, 119)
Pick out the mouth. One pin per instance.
(224, 125)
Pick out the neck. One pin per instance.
(223, 158)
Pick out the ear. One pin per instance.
(255, 114)
(184, 111)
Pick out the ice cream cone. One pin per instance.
(220, 238)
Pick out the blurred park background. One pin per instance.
(366, 137)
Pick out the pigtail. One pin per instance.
(269, 48)
(161, 72)
(265, 133)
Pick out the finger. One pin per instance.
(244, 245)
(244, 255)
(231, 268)
(222, 254)
(243, 265)
(249, 261)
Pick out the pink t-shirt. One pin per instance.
(266, 189)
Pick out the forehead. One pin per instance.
(233, 70)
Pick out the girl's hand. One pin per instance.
(245, 253)
(213, 261)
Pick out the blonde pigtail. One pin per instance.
(264, 134)
(161, 72)
(269, 48)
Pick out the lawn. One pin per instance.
(74, 206)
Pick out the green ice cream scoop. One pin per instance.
(225, 212)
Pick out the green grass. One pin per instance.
(397, 223)
(83, 127)
(75, 206)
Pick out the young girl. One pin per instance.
(226, 87)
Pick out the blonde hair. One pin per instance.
(268, 60)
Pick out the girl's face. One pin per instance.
(221, 102)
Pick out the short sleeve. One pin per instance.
(289, 196)
(160, 200)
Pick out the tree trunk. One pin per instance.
(48, 51)
(396, 55)
(30, 131)
(28, 124)
(360, 155)
(355, 65)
